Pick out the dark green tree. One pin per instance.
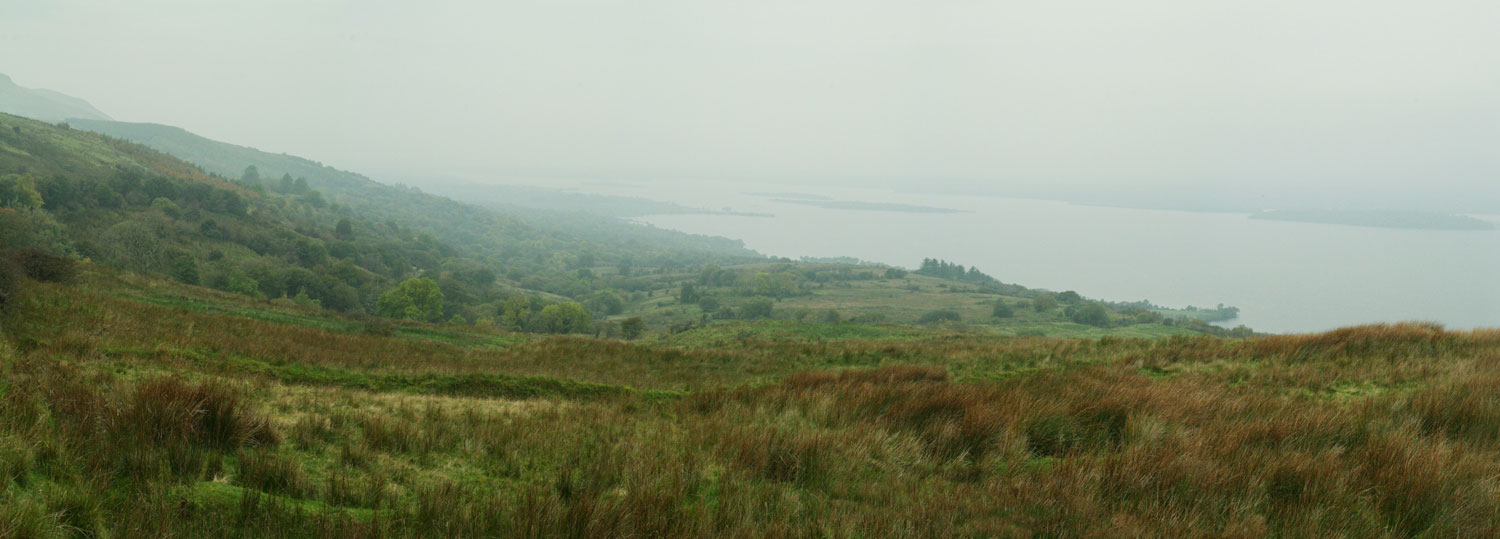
(756, 308)
(607, 302)
(568, 317)
(708, 304)
(688, 295)
(941, 315)
(1092, 314)
(413, 299)
(251, 175)
(19, 191)
(184, 268)
(633, 327)
(345, 230)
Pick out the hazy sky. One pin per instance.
(1265, 93)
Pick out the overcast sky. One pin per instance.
(1374, 94)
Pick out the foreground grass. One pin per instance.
(124, 417)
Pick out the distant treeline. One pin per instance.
(1219, 313)
(944, 269)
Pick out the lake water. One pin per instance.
(1284, 277)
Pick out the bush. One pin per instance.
(708, 304)
(10, 282)
(869, 318)
(1003, 310)
(568, 317)
(44, 267)
(184, 269)
(167, 410)
(633, 327)
(379, 327)
(268, 472)
(1092, 314)
(414, 299)
(941, 315)
(756, 308)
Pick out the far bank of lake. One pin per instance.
(1284, 276)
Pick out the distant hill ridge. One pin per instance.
(221, 158)
(44, 105)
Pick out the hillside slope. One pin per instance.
(88, 195)
(461, 224)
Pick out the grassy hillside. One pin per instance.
(609, 240)
(91, 196)
(78, 193)
(831, 295)
(492, 269)
(133, 406)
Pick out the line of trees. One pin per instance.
(944, 269)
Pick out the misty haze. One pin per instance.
(596, 268)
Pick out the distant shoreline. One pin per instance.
(1409, 220)
(867, 206)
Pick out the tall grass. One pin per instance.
(124, 419)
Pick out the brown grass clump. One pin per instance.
(268, 472)
(169, 410)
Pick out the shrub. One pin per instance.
(184, 268)
(708, 304)
(567, 317)
(168, 410)
(414, 299)
(941, 315)
(756, 308)
(633, 327)
(270, 473)
(379, 327)
(10, 282)
(779, 456)
(1092, 314)
(44, 267)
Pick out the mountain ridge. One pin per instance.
(44, 105)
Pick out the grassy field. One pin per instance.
(132, 407)
(876, 300)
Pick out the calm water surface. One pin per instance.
(1284, 277)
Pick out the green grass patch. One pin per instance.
(223, 497)
(466, 385)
